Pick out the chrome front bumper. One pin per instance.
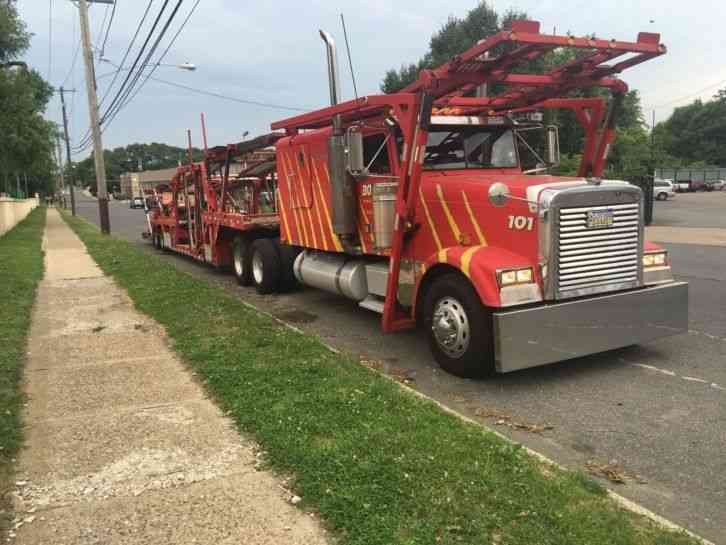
(546, 334)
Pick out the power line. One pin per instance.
(163, 55)
(124, 90)
(144, 65)
(86, 138)
(86, 141)
(50, 39)
(75, 54)
(128, 50)
(108, 28)
(685, 97)
(132, 72)
(233, 99)
(103, 25)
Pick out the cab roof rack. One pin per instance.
(503, 62)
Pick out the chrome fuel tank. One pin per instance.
(332, 272)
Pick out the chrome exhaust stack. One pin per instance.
(333, 71)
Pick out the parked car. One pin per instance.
(682, 187)
(136, 202)
(663, 190)
(715, 185)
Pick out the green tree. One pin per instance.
(26, 138)
(459, 34)
(455, 36)
(695, 132)
(133, 158)
(630, 155)
(14, 39)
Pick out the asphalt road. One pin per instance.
(657, 410)
(701, 209)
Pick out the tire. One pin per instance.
(242, 261)
(662, 196)
(266, 269)
(158, 240)
(288, 254)
(451, 298)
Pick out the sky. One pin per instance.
(271, 53)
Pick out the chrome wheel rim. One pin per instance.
(238, 259)
(450, 327)
(257, 267)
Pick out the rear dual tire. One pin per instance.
(241, 262)
(158, 239)
(268, 265)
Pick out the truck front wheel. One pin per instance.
(459, 327)
(265, 265)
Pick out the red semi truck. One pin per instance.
(435, 207)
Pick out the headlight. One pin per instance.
(515, 276)
(656, 259)
(524, 276)
(508, 278)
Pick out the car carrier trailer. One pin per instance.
(418, 206)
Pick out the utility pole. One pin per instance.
(61, 178)
(652, 144)
(68, 149)
(102, 193)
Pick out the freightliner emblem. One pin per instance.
(599, 219)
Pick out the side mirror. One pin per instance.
(354, 148)
(553, 146)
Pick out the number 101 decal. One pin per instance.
(521, 223)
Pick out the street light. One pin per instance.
(188, 66)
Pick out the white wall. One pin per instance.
(13, 211)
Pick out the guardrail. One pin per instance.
(13, 211)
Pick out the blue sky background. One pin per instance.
(271, 52)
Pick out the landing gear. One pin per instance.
(459, 327)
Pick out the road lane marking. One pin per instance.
(653, 368)
(707, 335)
(694, 379)
(669, 373)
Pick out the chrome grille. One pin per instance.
(598, 258)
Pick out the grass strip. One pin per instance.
(380, 465)
(21, 268)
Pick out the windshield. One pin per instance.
(453, 147)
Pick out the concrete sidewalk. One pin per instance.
(122, 446)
